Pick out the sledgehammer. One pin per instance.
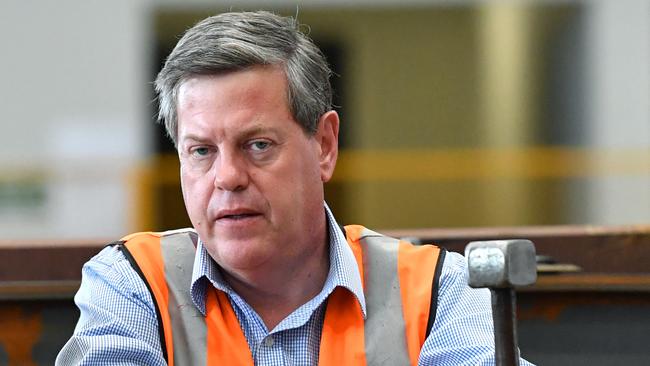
(501, 265)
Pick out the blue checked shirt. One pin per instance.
(118, 323)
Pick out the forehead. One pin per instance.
(258, 84)
(253, 96)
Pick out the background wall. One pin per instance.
(471, 114)
(74, 122)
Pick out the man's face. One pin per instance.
(252, 179)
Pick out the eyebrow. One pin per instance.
(256, 130)
(253, 130)
(195, 138)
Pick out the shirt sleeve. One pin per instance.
(462, 333)
(117, 323)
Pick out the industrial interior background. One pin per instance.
(454, 115)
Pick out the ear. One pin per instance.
(327, 137)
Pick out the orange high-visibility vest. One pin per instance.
(399, 279)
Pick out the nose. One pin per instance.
(231, 173)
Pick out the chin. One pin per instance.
(238, 254)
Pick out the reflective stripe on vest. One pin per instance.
(397, 279)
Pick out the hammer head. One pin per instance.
(501, 263)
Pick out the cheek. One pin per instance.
(275, 189)
(195, 192)
(300, 182)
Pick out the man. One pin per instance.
(268, 277)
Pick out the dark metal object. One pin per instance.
(505, 326)
(500, 265)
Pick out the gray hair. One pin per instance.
(234, 41)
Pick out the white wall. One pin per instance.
(618, 110)
(74, 112)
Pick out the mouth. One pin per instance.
(236, 215)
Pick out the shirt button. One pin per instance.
(268, 341)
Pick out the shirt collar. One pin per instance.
(343, 272)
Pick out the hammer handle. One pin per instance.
(505, 326)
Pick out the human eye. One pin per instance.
(199, 152)
(259, 145)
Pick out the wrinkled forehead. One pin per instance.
(255, 96)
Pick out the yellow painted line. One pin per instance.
(478, 164)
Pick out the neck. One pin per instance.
(275, 291)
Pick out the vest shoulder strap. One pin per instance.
(385, 326)
(164, 261)
(187, 323)
(401, 287)
(435, 281)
